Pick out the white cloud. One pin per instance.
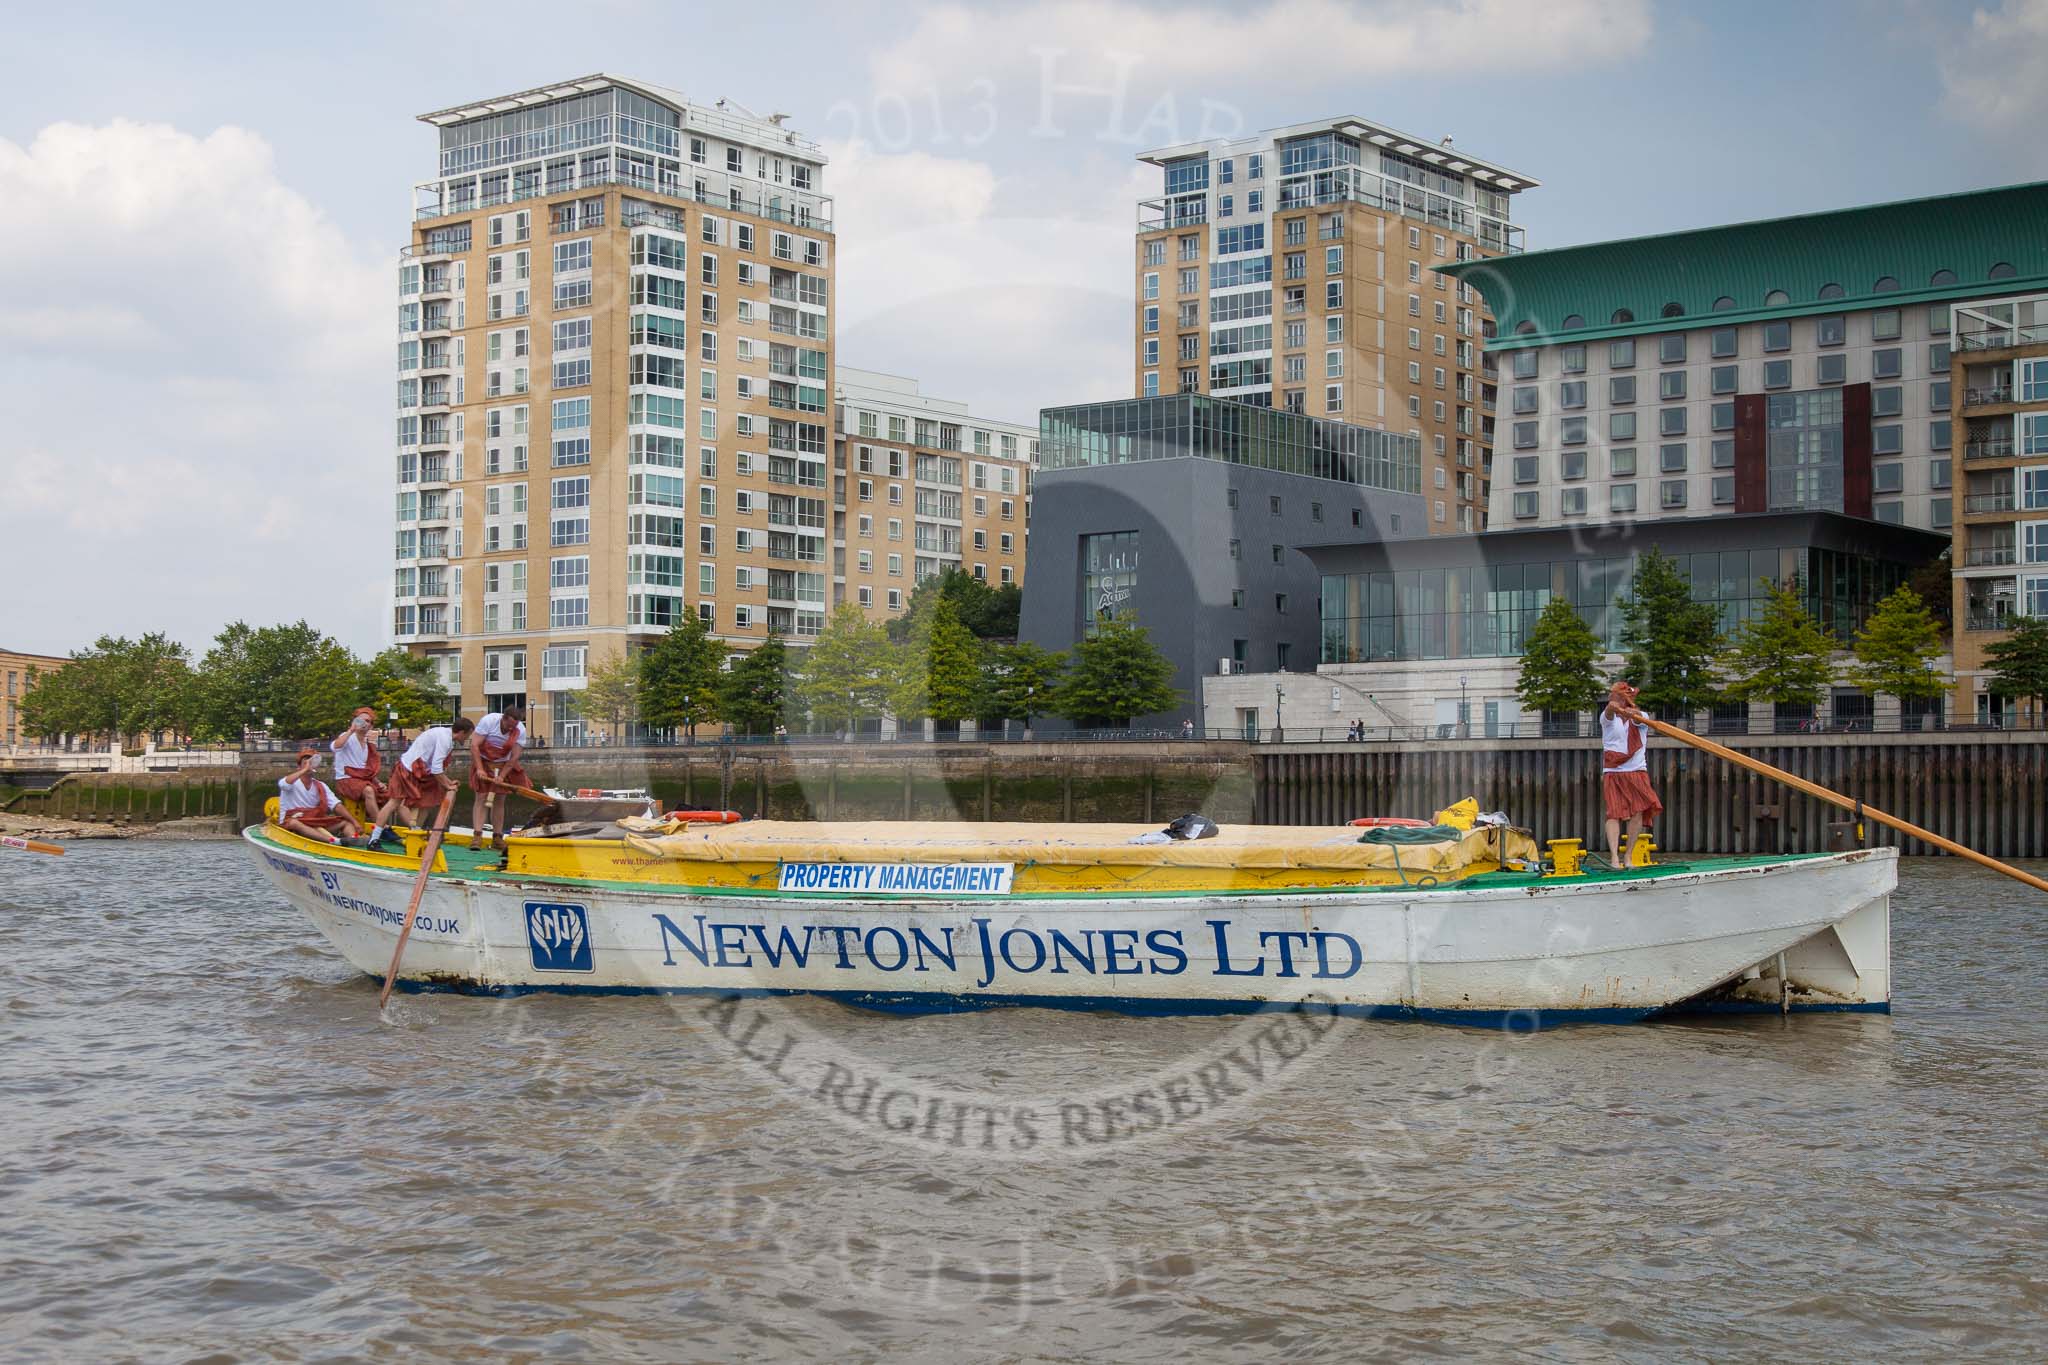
(1994, 76)
(1012, 293)
(1107, 47)
(197, 365)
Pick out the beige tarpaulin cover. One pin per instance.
(1236, 846)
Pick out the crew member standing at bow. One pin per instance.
(356, 762)
(1625, 787)
(494, 749)
(422, 779)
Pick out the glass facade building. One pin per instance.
(1485, 606)
(1189, 424)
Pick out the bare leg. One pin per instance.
(1614, 843)
(1635, 827)
(477, 810)
(309, 831)
(498, 803)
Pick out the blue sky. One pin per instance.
(204, 207)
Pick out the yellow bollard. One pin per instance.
(1565, 857)
(1639, 853)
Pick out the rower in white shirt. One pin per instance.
(421, 780)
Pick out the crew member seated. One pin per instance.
(309, 807)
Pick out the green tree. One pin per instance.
(1561, 663)
(988, 613)
(397, 682)
(937, 669)
(2019, 662)
(1019, 682)
(119, 689)
(847, 672)
(298, 677)
(679, 677)
(1897, 647)
(757, 688)
(1781, 655)
(1668, 639)
(611, 689)
(1116, 673)
(1934, 583)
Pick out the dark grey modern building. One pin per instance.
(1185, 512)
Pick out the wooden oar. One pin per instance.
(419, 887)
(548, 805)
(30, 845)
(1814, 789)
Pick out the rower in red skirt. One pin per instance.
(1625, 787)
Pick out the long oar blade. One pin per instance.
(30, 845)
(419, 887)
(1815, 789)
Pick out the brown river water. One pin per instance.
(213, 1148)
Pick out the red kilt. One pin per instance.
(1628, 795)
(493, 752)
(316, 819)
(367, 790)
(414, 786)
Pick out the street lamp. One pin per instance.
(1279, 696)
(689, 722)
(1464, 712)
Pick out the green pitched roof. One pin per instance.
(1911, 241)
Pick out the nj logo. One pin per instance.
(559, 936)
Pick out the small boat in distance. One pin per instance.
(1461, 927)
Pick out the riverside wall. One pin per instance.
(1988, 791)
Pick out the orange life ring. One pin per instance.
(1386, 821)
(706, 817)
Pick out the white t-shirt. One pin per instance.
(350, 751)
(294, 796)
(493, 727)
(1614, 732)
(433, 745)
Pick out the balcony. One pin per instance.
(1998, 620)
(1978, 398)
(437, 284)
(437, 360)
(434, 434)
(435, 396)
(433, 473)
(2002, 338)
(437, 322)
(1988, 450)
(1154, 214)
(793, 207)
(1990, 502)
(1984, 556)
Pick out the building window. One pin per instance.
(1527, 468)
(1571, 464)
(1887, 400)
(1572, 360)
(1572, 394)
(1621, 388)
(1671, 385)
(1621, 497)
(1571, 502)
(1888, 439)
(1721, 343)
(1887, 363)
(1671, 458)
(1724, 490)
(1572, 431)
(1721, 417)
(1621, 462)
(1671, 421)
(1723, 378)
(1525, 436)
(1621, 426)
(1671, 348)
(1777, 374)
(1831, 369)
(1526, 506)
(1671, 494)
(1621, 354)
(1830, 331)
(1884, 325)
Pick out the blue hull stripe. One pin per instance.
(936, 1002)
